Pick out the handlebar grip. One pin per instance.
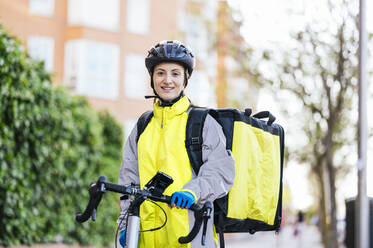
(199, 214)
(96, 191)
(195, 207)
(81, 218)
(193, 233)
(87, 213)
(116, 188)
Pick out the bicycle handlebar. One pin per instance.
(200, 215)
(97, 189)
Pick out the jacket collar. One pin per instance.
(168, 112)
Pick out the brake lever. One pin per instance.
(206, 216)
(101, 189)
(94, 214)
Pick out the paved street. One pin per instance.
(309, 238)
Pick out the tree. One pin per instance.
(52, 146)
(232, 62)
(318, 69)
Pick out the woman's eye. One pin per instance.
(160, 73)
(176, 74)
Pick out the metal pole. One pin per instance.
(362, 206)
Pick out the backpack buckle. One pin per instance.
(195, 140)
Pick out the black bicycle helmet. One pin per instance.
(170, 51)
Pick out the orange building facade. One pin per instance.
(97, 47)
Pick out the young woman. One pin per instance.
(161, 147)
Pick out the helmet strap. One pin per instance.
(170, 103)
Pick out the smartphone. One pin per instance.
(158, 184)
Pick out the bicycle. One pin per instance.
(152, 191)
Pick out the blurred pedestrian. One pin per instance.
(299, 227)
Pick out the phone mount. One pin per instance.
(158, 184)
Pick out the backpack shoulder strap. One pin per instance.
(193, 136)
(142, 122)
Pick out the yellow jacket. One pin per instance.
(161, 147)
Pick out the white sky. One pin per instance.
(265, 22)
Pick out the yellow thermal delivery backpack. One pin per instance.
(254, 203)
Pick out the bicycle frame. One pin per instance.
(132, 239)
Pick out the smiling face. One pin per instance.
(168, 79)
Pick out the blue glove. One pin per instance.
(184, 199)
(122, 238)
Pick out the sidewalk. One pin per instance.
(309, 238)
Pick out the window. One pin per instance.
(42, 7)
(92, 68)
(41, 48)
(197, 36)
(138, 12)
(210, 10)
(199, 89)
(136, 79)
(94, 13)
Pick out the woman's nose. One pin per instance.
(168, 78)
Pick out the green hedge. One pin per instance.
(52, 146)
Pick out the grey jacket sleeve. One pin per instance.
(216, 175)
(129, 172)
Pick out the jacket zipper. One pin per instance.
(162, 118)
